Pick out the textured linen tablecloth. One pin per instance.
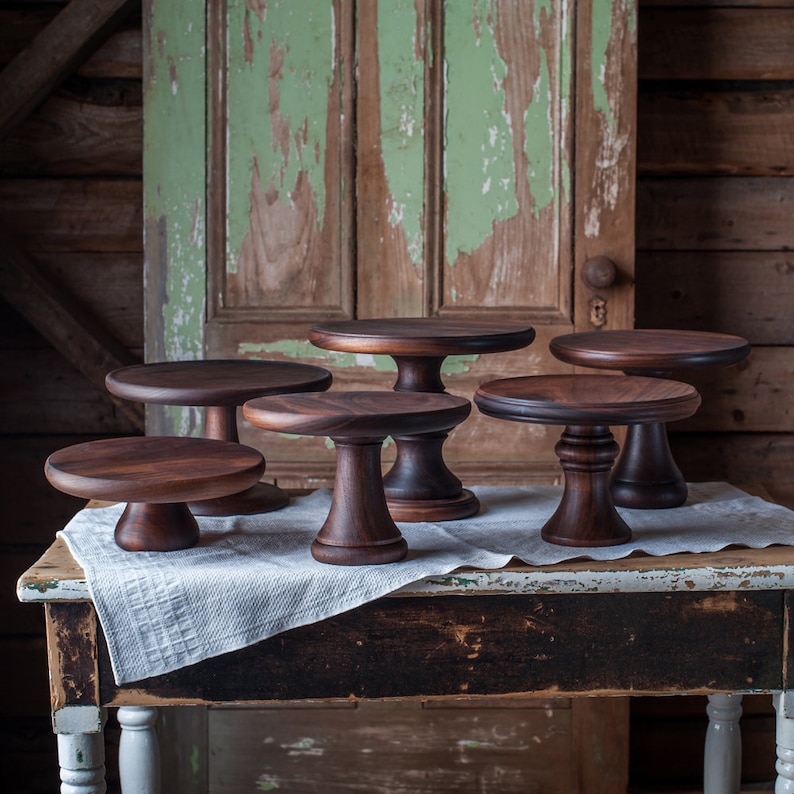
(251, 577)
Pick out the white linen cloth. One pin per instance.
(251, 577)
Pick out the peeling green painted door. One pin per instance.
(329, 159)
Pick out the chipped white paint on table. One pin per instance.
(57, 579)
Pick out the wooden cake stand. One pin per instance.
(220, 386)
(646, 475)
(420, 486)
(587, 405)
(156, 476)
(359, 528)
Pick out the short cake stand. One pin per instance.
(220, 385)
(420, 486)
(359, 529)
(587, 405)
(646, 475)
(156, 476)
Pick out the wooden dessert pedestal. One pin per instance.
(220, 386)
(359, 529)
(420, 486)
(586, 405)
(646, 475)
(156, 476)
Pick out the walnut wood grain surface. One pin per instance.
(154, 469)
(354, 414)
(214, 381)
(587, 399)
(649, 349)
(421, 336)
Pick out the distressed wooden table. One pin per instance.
(716, 624)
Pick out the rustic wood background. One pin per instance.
(715, 197)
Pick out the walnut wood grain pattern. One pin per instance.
(357, 414)
(587, 404)
(359, 529)
(587, 399)
(155, 476)
(644, 351)
(214, 382)
(153, 469)
(421, 336)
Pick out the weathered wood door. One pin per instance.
(332, 159)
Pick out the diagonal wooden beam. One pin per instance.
(54, 54)
(74, 332)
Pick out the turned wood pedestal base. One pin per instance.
(645, 475)
(586, 405)
(156, 476)
(420, 486)
(360, 528)
(220, 386)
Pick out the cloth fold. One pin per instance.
(251, 577)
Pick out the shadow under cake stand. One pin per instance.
(587, 405)
(646, 476)
(156, 476)
(420, 486)
(359, 529)
(220, 386)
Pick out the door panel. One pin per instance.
(281, 165)
(415, 158)
(506, 168)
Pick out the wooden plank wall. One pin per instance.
(715, 238)
(715, 198)
(70, 195)
(714, 231)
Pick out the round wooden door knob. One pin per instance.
(359, 529)
(599, 272)
(156, 476)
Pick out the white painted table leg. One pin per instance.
(784, 733)
(722, 765)
(81, 757)
(139, 753)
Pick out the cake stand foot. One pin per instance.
(147, 526)
(645, 475)
(260, 498)
(586, 515)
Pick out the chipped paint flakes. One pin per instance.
(539, 136)
(303, 747)
(478, 136)
(401, 85)
(174, 178)
(601, 33)
(282, 130)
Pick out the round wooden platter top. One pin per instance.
(214, 381)
(357, 413)
(421, 336)
(155, 469)
(649, 349)
(587, 399)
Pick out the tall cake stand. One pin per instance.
(587, 405)
(646, 476)
(359, 529)
(420, 486)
